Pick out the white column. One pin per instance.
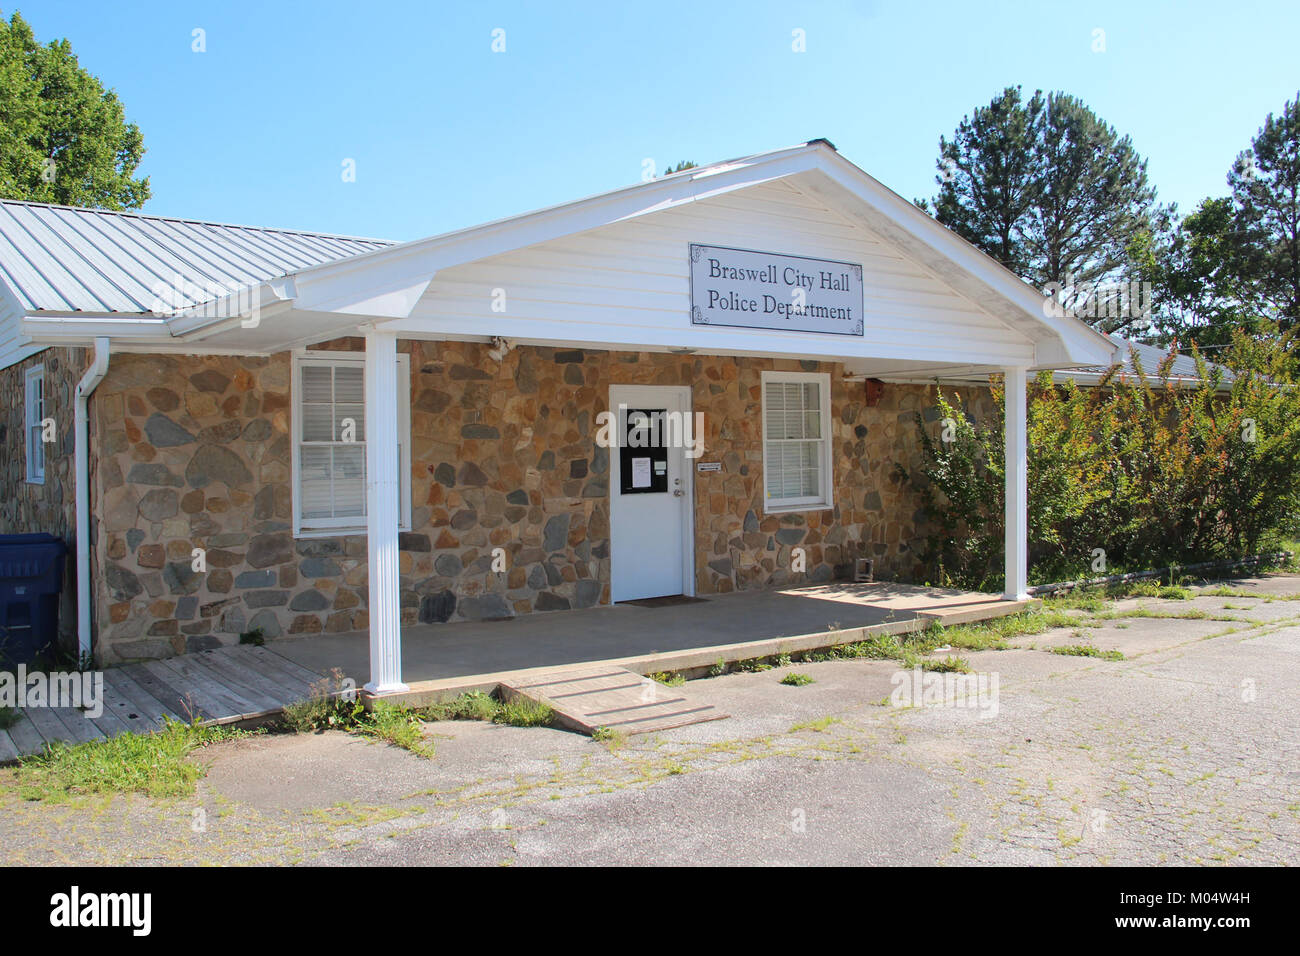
(382, 513)
(1017, 491)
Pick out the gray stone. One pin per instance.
(517, 497)
(445, 475)
(437, 608)
(259, 429)
(255, 579)
(413, 541)
(872, 501)
(318, 547)
(268, 622)
(310, 600)
(479, 431)
(232, 621)
(122, 584)
(133, 538)
(201, 642)
(537, 577)
(222, 434)
(186, 608)
(448, 565)
(215, 463)
(586, 592)
(464, 520)
(548, 601)
(555, 536)
(751, 521)
(160, 504)
(162, 432)
(566, 357)
(319, 568)
(266, 550)
(485, 607)
(790, 536)
(722, 566)
(153, 474)
(181, 578)
(266, 598)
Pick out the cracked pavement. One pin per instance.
(1185, 752)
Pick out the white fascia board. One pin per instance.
(344, 285)
(1080, 343)
(60, 329)
(710, 340)
(264, 298)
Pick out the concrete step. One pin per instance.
(589, 698)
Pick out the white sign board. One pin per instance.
(766, 290)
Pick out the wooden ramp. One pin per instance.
(610, 697)
(221, 686)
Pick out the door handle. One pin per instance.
(678, 493)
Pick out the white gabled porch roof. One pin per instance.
(383, 286)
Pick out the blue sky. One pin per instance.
(445, 133)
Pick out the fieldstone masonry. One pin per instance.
(195, 452)
(50, 507)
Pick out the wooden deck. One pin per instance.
(222, 686)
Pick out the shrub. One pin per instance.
(1150, 471)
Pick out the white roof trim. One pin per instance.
(386, 283)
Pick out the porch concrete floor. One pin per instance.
(453, 657)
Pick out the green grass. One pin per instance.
(667, 678)
(473, 705)
(522, 712)
(397, 726)
(1087, 650)
(946, 665)
(155, 764)
(795, 679)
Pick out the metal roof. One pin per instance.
(68, 259)
(1184, 366)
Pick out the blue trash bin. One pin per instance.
(31, 577)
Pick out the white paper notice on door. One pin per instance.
(640, 472)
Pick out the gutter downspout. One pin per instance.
(81, 427)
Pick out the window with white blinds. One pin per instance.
(796, 446)
(33, 417)
(330, 442)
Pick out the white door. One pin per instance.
(650, 492)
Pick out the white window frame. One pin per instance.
(338, 527)
(33, 416)
(822, 501)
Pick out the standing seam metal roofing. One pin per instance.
(70, 259)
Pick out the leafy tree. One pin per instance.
(684, 164)
(1057, 196)
(52, 109)
(1265, 183)
(1202, 277)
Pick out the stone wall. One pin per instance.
(48, 507)
(195, 453)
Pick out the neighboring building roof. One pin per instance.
(68, 259)
(1183, 370)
